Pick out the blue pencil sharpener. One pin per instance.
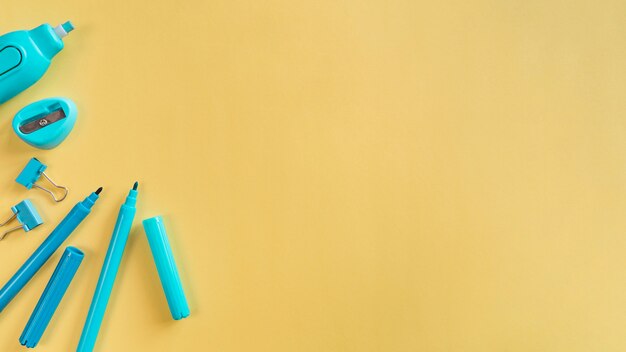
(46, 123)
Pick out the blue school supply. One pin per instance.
(51, 296)
(26, 214)
(31, 174)
(25, 56)
(166, 267)
(108, 273)
(46, 249)
(46, 123)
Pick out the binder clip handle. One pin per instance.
(4, 234)
(32, 173)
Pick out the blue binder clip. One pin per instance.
(31, 174)
(26, 215)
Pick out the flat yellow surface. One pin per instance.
(338, 175)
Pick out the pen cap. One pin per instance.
(166, 266)
(51, 296)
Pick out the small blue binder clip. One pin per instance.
(31, 174)
(26, 215)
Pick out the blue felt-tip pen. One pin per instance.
(47, 248)
(109, 271)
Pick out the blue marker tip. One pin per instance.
(68, 26)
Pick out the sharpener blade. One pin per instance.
(41, 121)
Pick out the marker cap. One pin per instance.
(166, 266)
(51, 296)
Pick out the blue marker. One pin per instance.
(47, 248)
(109, 270)
(26, 55)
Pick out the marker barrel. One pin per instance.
(108, 274)
(46, 249)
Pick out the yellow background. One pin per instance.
(338, 175)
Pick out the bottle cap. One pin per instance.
(166, 266)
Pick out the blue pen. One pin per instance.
(47, 248)
(109, 270)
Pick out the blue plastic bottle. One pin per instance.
(25, 56)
